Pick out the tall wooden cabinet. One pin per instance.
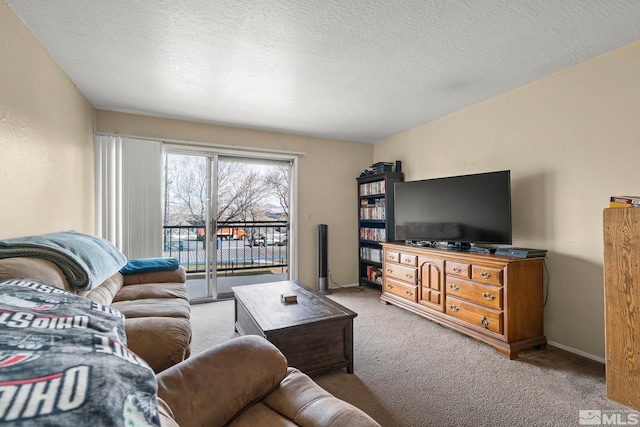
(375, 223)
(622, 304)
(495, 299)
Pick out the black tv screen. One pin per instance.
(459, 209)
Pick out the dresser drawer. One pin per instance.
(392, 256)
(489, 275)
(400, 289)
(459, 269)
(489, 296)
(407, 259)
(473, 314)
(400, 272)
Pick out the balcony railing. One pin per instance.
(239, 247)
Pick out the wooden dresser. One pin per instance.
(622, 305)
(495, 299)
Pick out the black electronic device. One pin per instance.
(323, 259)
(522, 252)
(459, 210)
(481, 250)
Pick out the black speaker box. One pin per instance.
(323, 267)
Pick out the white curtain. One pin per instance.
(128, 177)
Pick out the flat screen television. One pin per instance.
(456, 210)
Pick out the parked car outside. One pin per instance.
(271, 238)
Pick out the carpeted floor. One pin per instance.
(412, 372)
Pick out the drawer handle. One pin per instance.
(456, 269)
(485, 322)
(453, 308)
(389, 270)
(407, 260)
(409, 293)
(390, 286)
(489, 296)
(485, 275)
(409, 276)
(454, 287)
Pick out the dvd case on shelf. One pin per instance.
(624, 202)
(373, 234)
(373, 211)
(373, 188)
(371, 254)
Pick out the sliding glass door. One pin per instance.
(227, 218)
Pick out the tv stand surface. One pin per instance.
(494, 299)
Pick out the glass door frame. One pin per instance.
(212, 154)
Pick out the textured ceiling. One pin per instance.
(358, 70)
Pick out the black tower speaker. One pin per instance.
(323, 267)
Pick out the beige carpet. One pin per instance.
(411, 372)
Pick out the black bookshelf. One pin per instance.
(375, 223)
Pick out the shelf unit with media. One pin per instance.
(375, 223)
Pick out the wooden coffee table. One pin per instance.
(315, 333)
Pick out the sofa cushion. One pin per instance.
(66, 363)
(160, 341)
(176, 276)
(152, 290)
(154, 307)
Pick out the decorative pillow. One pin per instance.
(64, 361)
(146, 265)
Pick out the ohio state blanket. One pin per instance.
(64, 362)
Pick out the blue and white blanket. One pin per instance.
(85, 260)
(64, 362)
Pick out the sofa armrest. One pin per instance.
(161, 341)
(211, 388)
(307, 404)
(171, 276)
(35, 269)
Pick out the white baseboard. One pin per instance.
(576, 351)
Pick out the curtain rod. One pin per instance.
(205, 144)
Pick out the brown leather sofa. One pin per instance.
(155, 305)
(65, 358)
(245, 382)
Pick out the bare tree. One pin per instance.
(277, 179)
(190, 190)
(243, 190)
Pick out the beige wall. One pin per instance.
(46, 148)
(571, 141)
(326, 174)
